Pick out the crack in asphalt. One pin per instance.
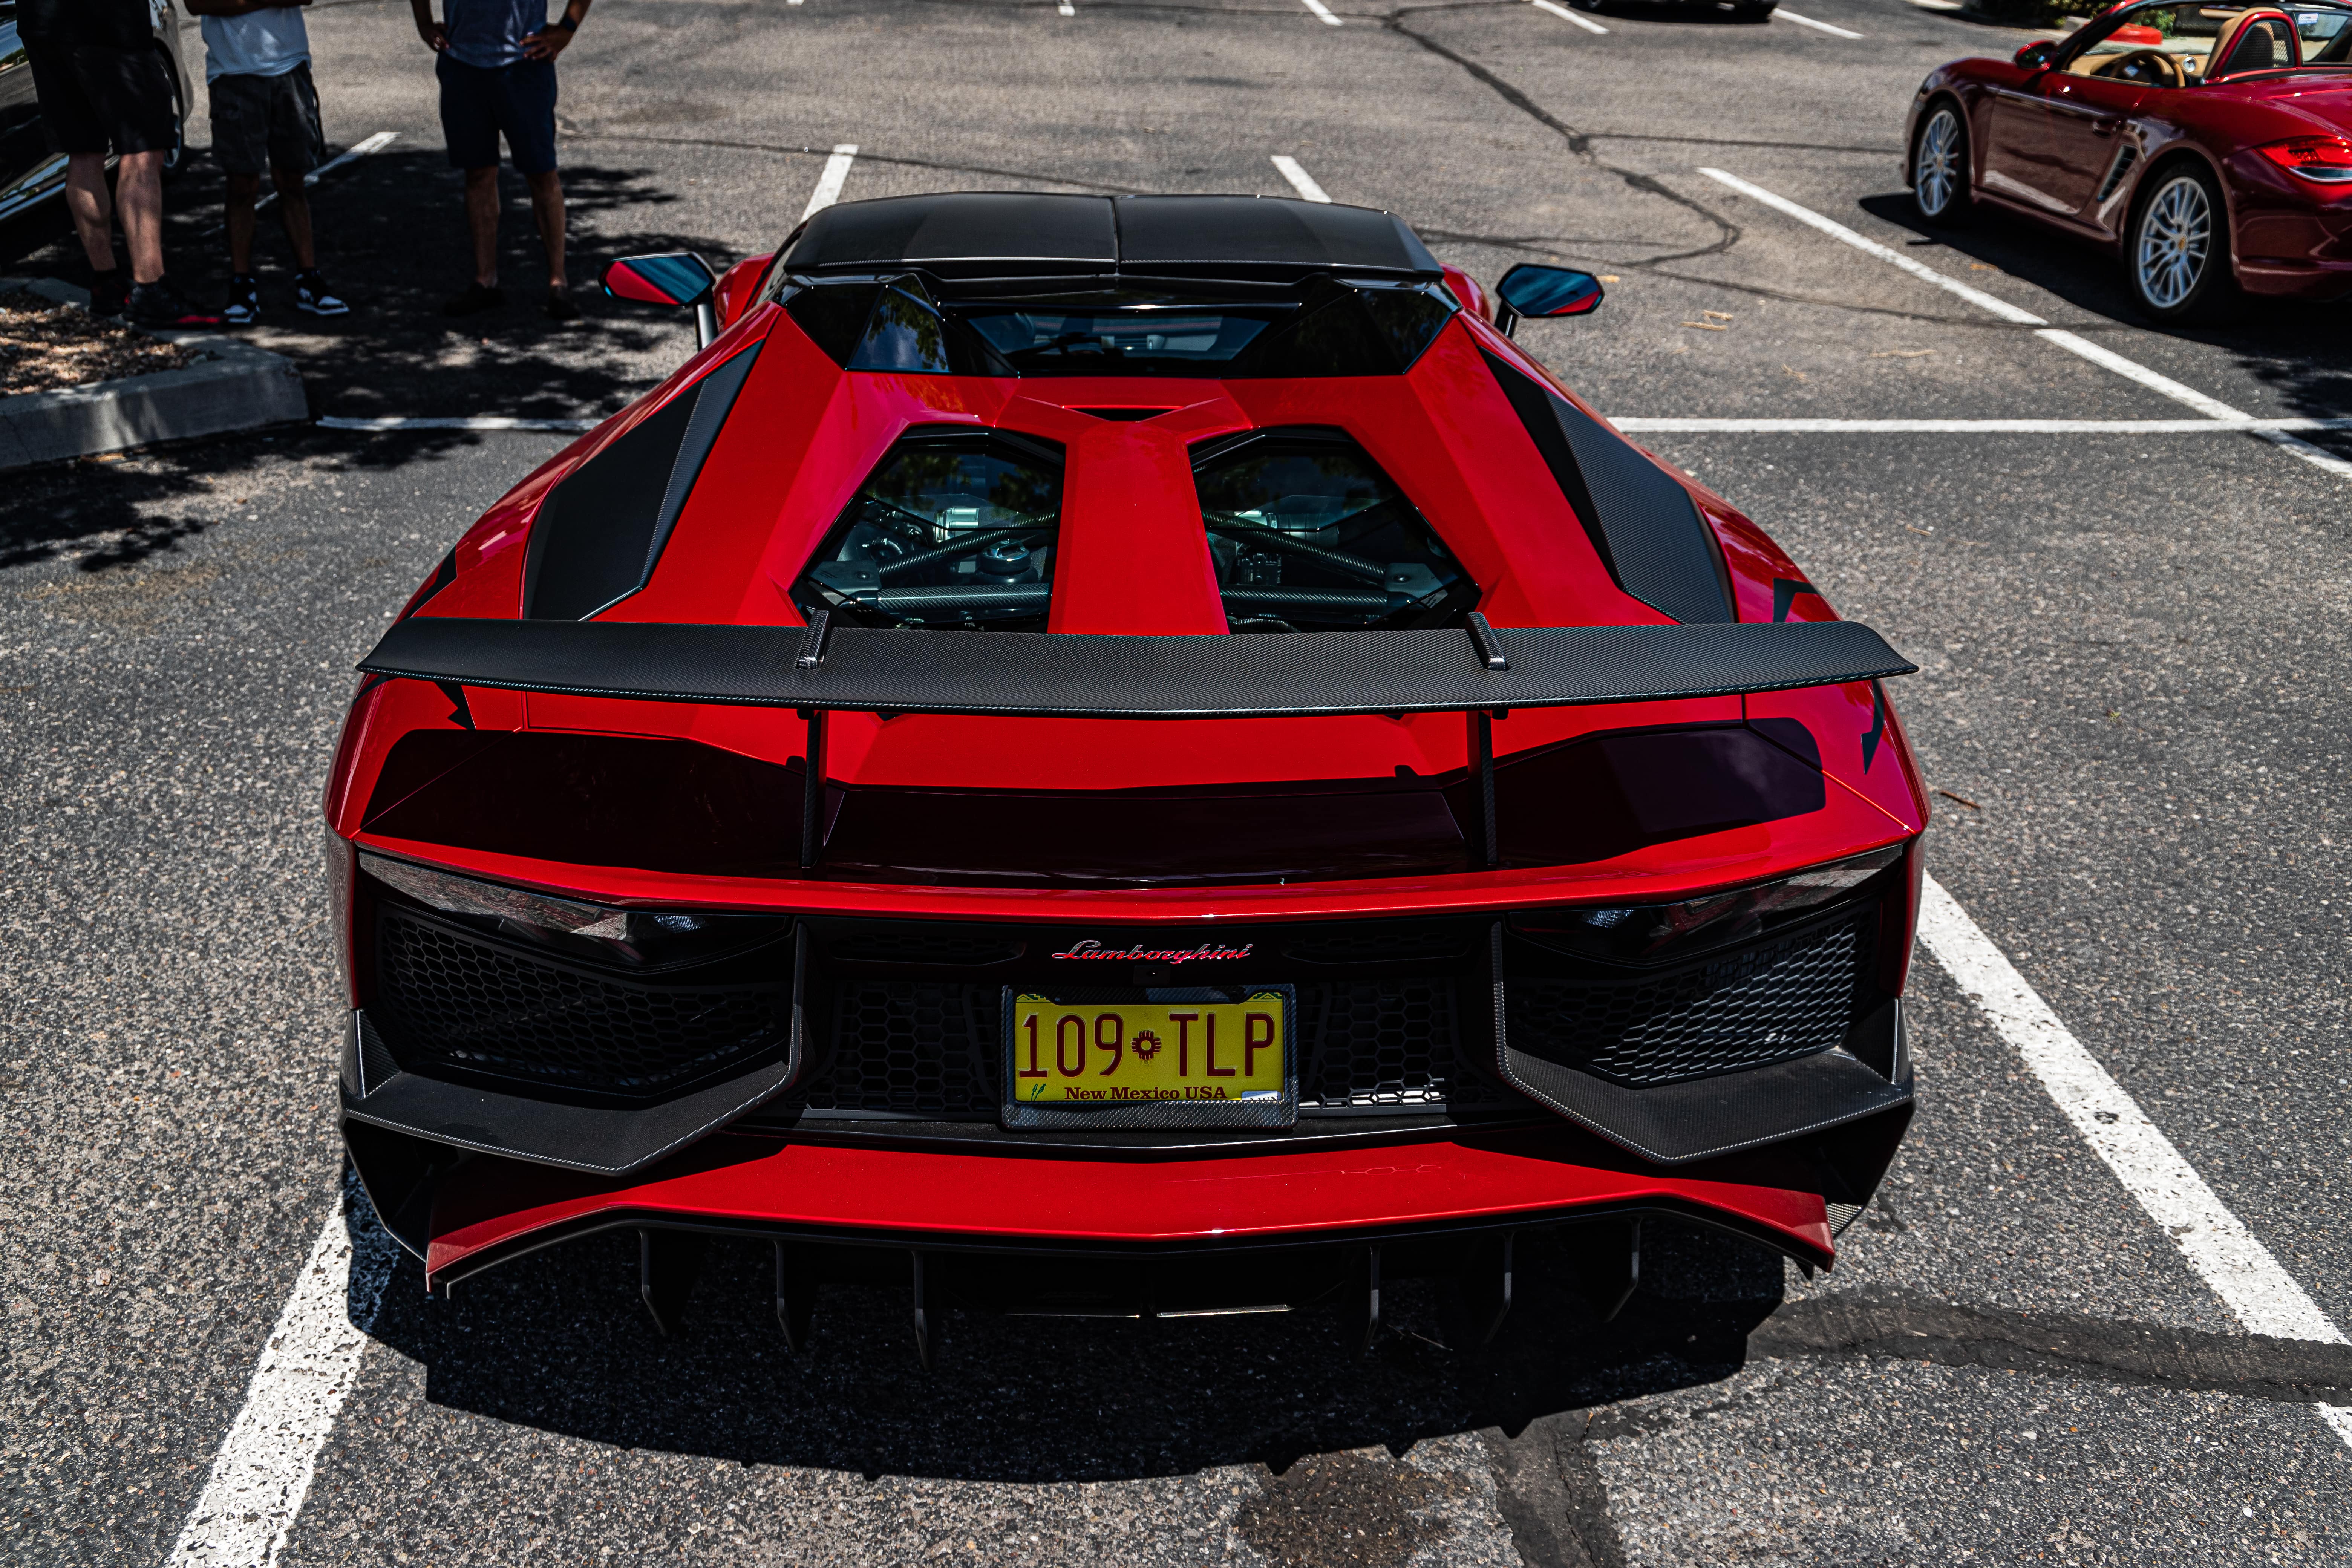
(1579, 143)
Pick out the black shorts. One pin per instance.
(95, 98)
(477, 105)
(264, 122)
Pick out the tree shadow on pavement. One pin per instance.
(392, 240)
(557, 1341)
(2303, 351)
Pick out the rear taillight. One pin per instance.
(2326, 159)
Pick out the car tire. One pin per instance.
(1939, 167)
(1753, 10)
(2177, 251)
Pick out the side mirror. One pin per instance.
(2036, 54)
(1529, 289)
(679, 278)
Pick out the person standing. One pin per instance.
(265, 116)
(497, 70)
(104, 85)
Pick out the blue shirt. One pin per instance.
(489, 33)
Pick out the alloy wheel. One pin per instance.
(2176, 237)
(1937, 174)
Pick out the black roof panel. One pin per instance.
(1003, 234)
(1189, 231)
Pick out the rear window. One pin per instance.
(1309, 534)
(911, 324)
(955, 528)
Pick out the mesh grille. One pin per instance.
(912, 1048)
(451, 1002)
(1767, 1004)
(1382, 1043)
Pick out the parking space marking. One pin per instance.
(1564, 15)
(2106, 359)
(1322, 13)
(1976, 426)
(1781, 15)
(307, 1366)
(350, 155)
(1300, 179)
(2215, 1242)
(829, 183)
(1066, 10)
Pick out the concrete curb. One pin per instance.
(233, 387)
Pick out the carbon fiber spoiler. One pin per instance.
(862, 669)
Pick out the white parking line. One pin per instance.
(1322, 13)
(1564, 15)
(2216, 1243)
(829, 183)
(307, 1365)
(1978, 427)
(1066, 10)
(1300, 179)
(350, 155)
(454, 422)
(1783, 16)
(2108, 359)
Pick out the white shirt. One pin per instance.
(259, 43)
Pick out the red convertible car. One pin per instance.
(2209, 145)
(1118, 756)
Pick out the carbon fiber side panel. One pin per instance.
(1648, 530)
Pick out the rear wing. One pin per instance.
(1479, 670)
(823, 668)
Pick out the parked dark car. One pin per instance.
(31, 168)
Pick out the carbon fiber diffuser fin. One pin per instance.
(601, 531)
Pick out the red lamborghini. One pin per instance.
(1118, 756)
(2209, 145)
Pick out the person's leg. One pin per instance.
(546, 206)
(293, 214)
(242, 191)
(527, 115)
(92, 208)
(469, 125)
(482, 219)
(138, 197)
(296, 146)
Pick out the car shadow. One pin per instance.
(558, 1341)
(2302, 350)
(1664, 11)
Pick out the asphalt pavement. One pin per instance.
(2130, 703)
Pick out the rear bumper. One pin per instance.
(463, 1214)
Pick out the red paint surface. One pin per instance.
(494, 1204)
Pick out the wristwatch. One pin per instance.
(566, 23)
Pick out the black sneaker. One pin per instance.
(109, 292)
(477, 297)
(312, 294)
(559, 307)
(244, 306)
(159, 305)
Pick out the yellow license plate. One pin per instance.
(1203, 1056)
